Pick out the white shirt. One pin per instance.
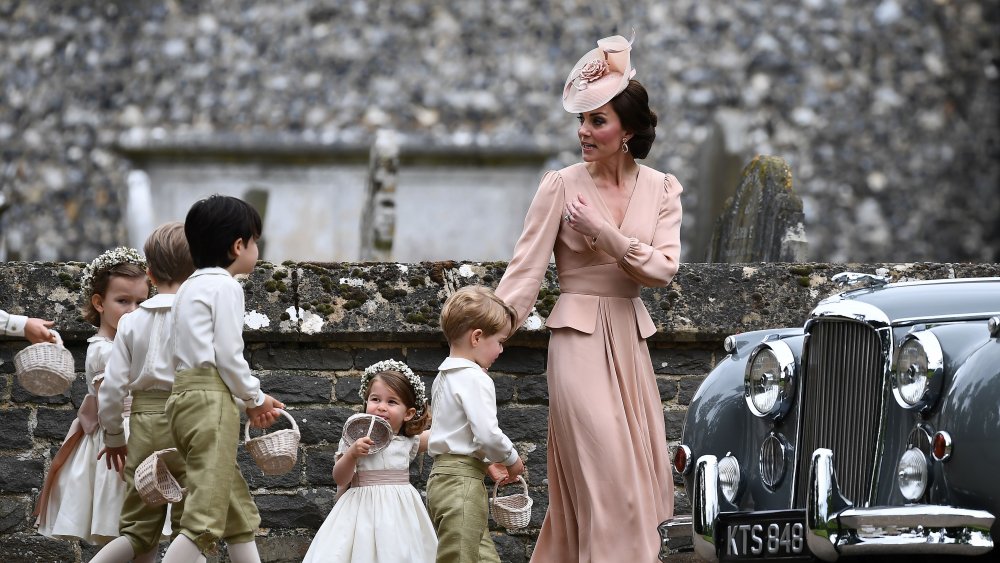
(464, 411)
(141, 360)
(208, 331)
(12, 325)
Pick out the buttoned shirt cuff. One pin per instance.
(15, 325)
(612, 242)
(259, 399)
(114, 440)
(512, 458)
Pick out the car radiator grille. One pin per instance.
(842, 405)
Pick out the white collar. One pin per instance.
(159, 301)
(452, 362)
(210, 271)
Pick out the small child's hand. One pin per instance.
(265, 415)
(497, 472)
(37, 330)
(361, 447)
(513, 471)
(116, 457)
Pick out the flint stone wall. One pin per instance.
(886, 111)
(352, 315)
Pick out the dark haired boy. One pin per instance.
(204, 418)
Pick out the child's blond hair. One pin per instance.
(473, 307)
(167, 253)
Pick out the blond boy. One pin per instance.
(141, 365)
(466, 437)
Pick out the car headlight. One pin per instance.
(918, 372)
(911, 473)
(729, 477)
(769, 380)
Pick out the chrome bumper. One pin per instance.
(835, 527)
(675, 537)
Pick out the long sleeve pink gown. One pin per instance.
(609, 475)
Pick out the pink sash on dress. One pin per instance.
(85, 423)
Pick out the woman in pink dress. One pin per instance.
(614, 227)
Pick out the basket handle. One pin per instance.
(59, 341)
(166, 452)
(524, 484)
(246, 427)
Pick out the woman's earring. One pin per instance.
(624, 145)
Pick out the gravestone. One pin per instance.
(378, 220)
(763, 221)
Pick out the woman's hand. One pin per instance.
(360, 448)
(582, 218)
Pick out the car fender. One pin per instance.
(719, 401)
(970, 414)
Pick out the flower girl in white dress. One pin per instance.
(80, 497)
(381, 517)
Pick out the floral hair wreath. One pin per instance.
(108, 260)
(393, 365)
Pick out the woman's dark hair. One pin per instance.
(632, 107)
(402, 387)
(212, 226)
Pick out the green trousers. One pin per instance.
(459, 509)
(140, 523)
(205, 425)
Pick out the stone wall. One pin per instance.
(886, 111)
(312, 328)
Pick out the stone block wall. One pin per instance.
(886, 111)
(312, 328)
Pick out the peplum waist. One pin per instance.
(581, 291)
(602, 280)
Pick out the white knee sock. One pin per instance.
(182, 550)
(119, 550)
(242, 552)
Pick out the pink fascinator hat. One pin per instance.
(600, 75)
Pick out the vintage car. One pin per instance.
(874, 429)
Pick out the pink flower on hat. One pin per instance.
(591, 72)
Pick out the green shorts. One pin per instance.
(459, 509)
(140, 523)
(205, 425)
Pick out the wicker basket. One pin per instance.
(274, 453)
(375, 427)
(45, 368)
(513, 511)
(154, 482)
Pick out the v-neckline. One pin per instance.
(607, 210)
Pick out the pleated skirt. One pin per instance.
(609, 475)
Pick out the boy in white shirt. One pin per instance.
(141, 363)
(204, 419)
(465, 432)
(35, 330)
